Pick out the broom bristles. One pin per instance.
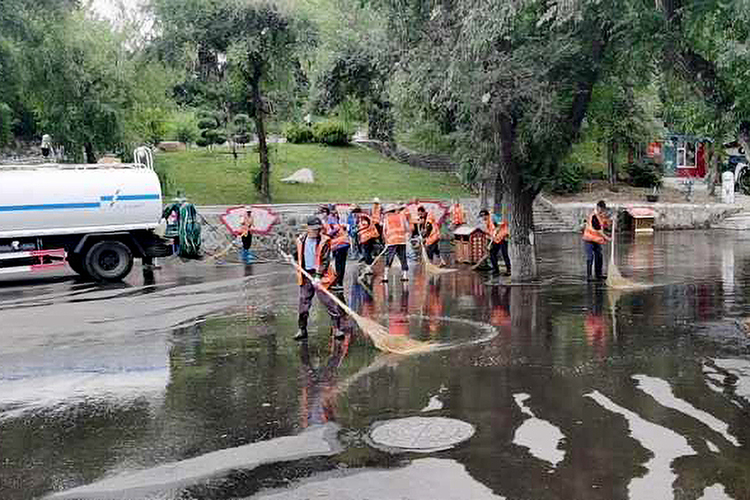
(431, 268)
(385, 341)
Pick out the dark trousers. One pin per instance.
(247, 241)
(339, 258)
(306, 293)
(394, 250)
(433, 250)
(594, 256)
(501, 247)
(367, 248)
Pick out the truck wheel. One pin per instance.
(75, 261)
(109, 261)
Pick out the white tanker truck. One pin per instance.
(95, 218)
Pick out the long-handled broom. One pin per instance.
(379, 334)
(429, 267)
(614, 278)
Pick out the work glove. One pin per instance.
(316, 282)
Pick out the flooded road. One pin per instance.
(186, 384)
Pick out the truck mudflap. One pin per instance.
(32, 260)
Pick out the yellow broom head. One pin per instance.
(385, 341)
(431, 268)
(615, 280)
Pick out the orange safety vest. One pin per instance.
(395, 228)
(434, 233)
(458, 215)
(338, 235)
(367, 229)
(592, 235)
(328, 276)
(498, 233)
(377, 213)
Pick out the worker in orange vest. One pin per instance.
(377, 215)
(429, 230)
(368, 234)
(458, 214)
(337, 231)
(498, 234)
(314, 256)
(594, 238)
(396, 233)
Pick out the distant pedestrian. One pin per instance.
(314, 256)
(46, 145)
(594, 238)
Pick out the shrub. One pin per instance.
(568, 180)
(298, 134)
(331, 133)
(644, 174)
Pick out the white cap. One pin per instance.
(376, 200)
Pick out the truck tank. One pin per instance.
(42, 200)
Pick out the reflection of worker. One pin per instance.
(498, 234)
(319, 391)
(314, 256)
(594, 324)
(247, 236)
(594, 238)
(398, 315)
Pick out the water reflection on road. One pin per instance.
(575, 391)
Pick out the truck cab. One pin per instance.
(96, 218)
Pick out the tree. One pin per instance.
(518, 78)
(263, 53)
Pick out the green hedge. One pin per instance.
(331, 133)
(298, 134)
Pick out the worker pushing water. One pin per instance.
(594, 237)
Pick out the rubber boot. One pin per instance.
(338, 334)
(302, 324)
(386, 270)
(405, 276)
(250, 257)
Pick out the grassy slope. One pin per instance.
(341, 174)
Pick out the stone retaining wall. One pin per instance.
(292, 219)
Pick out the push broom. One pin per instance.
(379, 334)
(614, 278)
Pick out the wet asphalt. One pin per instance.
(185, 383)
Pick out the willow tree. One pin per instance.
(518, 76)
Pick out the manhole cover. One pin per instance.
(421, 434)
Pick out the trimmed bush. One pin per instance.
(298, 134)
(644, 174)
(331, 133)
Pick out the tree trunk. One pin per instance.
(522, 247)
(612, 164)
(497, 206)
(90, 156)
(265, 167)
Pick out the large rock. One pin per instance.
(303, 176)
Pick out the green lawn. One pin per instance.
(341, 174)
